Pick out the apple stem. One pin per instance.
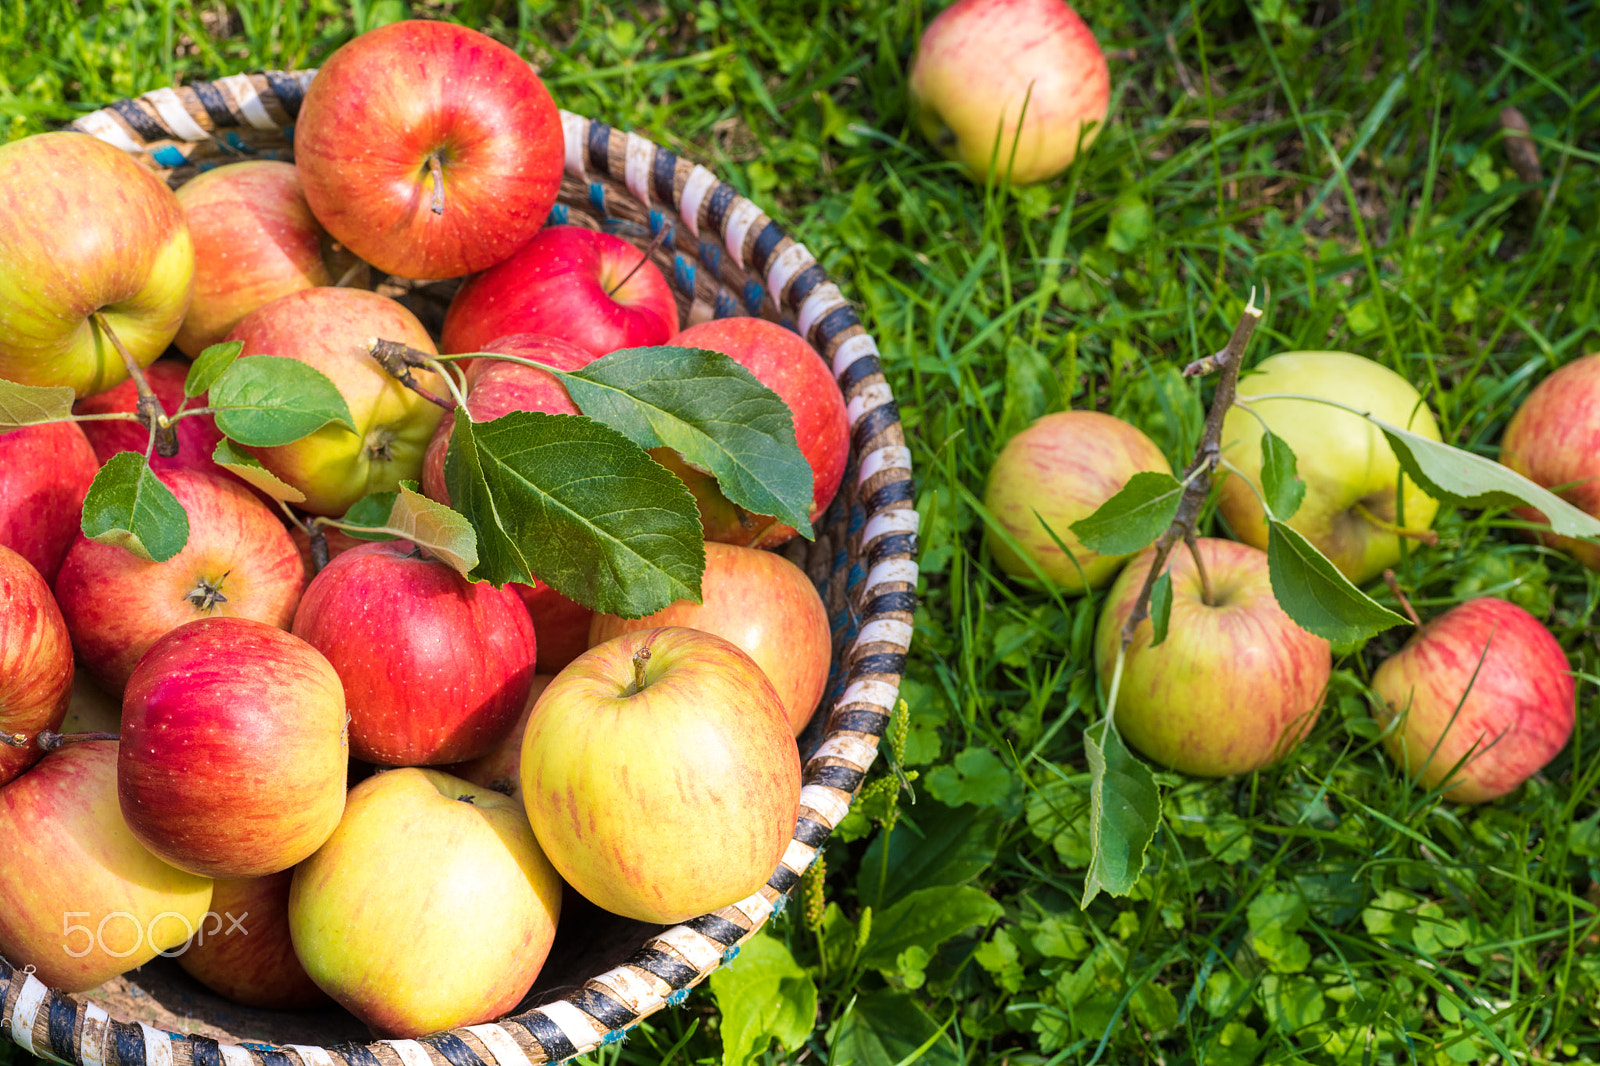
(437, 170)
(1200, 568)
(151, 414)
(1405, 604)
(655, 242)
(641, 659)
(49, 740)
(1196, 479)
(14, 740)
(319, 547)
(398, 359)
(1426, 536)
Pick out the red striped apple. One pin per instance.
(35, 663)
(243, 951)
(45, 472)
(501, 768)
(197, 434)
(1554, 440)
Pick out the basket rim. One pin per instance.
(877, 560)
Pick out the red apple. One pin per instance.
(239, 562)
(234, 748)
(1554, 440)
(430, 907)
(404, 107)
(1484, 696)
(87, 236)
(768, 607)
(35, 662)
(435, 667)
(197, 434)
(786, 364)
(561, 625)
(328, 329)
(660, 774)
(501, 768)
(81, 900)
(980, 62)
(45, 472)
(590, 288)
(255, 239)
(243, 951)
(1234, 687)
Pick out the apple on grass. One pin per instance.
(197, 434)
(1481, 698)
(590, 288)
(1234, 687)
(1014, 87)
(1351, 474)
(430, 907)
(429, 149)
(328, 329)
(89, 240)
(435, 667)
(35, 663)
(660, 774)
(81, 900)
(764, 604)
(239, 562)
(1554, 441)
(1050, 475)
(243, 952)
(234, 748)
(45, 472)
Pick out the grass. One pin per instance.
(1344, 159)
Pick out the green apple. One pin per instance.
(1350, 472)
(430, 907)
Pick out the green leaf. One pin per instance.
(209, 365)
(247, 467)
(127, 505)
(763, 995)
(32, 405)
(976, 776)
(711, 411)
(371, 514)
(1274, 918)
(1313, 592)
(927, 917)
(1057, 814)
(1291, 1003)
(1280, 483)
(931, 845)
(887, 1027)
(1462, 479)
(1235, 1044)
(580, 505)
(428, 524)
(1124, 810)
(1132, 519)
(266, 400)
(1160, 607)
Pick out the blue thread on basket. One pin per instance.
(168, 156)
(677, 997)
(710, 255)
(597, 196)
(612, 1037)
(753, 294)
(558, 216)
(657, 220)
(731, 954)
(237, 144)
(778, 905)
(725, 306)
(683, 273)
(288, 133)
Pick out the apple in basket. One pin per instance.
(35, 663)
(45, 472)
(197, 434)
(243, 949)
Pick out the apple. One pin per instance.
(768, 607)
(430, 907)
(1349, 470)
(435, 667)
(328, 329)
(81, 900)
(35, 662)
(234, 748)
(1484, 698)
(593, 289)
(429, 149)
(197, 434)
(239, 562)
(501, 768)
(660, 774)
(1055, 472)
(255, 239)
(786, 364)
(1554, 440)
(337, 539)
(980, 63)
(45, 472)
(86, 233)
(1234, 687)
(243, 950)
(561, 625)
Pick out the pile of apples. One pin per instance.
(370, 781)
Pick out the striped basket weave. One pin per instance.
(724, 257)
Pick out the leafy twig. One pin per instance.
(398, 359)
(151, 414)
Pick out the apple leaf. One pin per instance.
(1280, 482)
(127, 505)
(367, 517)
(1124, 810)
(32, 405)
(246, 466)
(1131, 520)
(710, 410)
(1319, 598)
(1461, 479)
(409, 515)
(763, 994)
(1160, 607)
(209, 365)
(581, 506)
(266, 400)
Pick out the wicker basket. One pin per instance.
(724, 257)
